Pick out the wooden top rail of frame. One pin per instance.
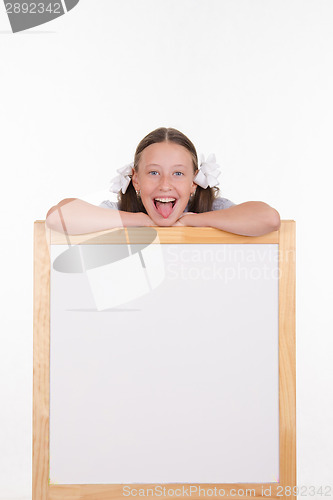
(158, 234)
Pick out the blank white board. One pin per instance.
(164, 364)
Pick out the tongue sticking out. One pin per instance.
(164, 209)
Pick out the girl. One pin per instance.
(165, 187)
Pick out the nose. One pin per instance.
(165, 183)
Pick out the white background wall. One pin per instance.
(249, 80)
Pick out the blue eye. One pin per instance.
(153, 172)
(181, 173)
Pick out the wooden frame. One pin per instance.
(285, 238)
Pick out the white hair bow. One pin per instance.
(208, 172)
(121, 181)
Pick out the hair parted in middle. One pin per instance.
(201, 201)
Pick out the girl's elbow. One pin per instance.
(275, 221)
(270, 217)
(52, 209)
(52, 218)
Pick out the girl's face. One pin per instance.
(165, 178)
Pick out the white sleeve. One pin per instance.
(221, 203)
(109, 204)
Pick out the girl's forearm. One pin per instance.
(74, 216)
(252, 218)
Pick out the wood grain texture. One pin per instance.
(287, 356)
(161, 235)
(41, 489)
(115, 492)
(41, 365)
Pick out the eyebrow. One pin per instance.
(157, 165)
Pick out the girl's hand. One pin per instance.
(181, 222)
(177, 223)
(147, 221)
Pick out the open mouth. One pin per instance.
(164, 206)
